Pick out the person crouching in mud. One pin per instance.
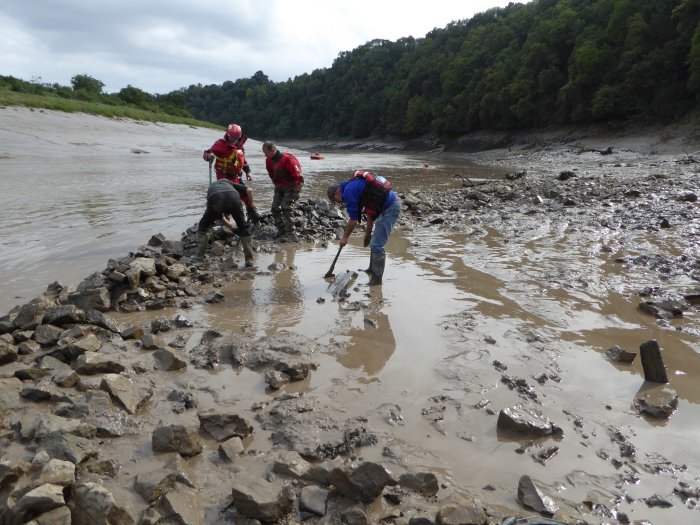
(371, 194)
(223, 200)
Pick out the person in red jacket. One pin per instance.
(230, 164)
(285, 171)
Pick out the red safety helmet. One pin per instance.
(234, 132)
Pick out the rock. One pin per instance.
(161, 324)
(132, 332)
(71, 349)
(95, 505)
(58, 516)
(530, 496)
(276, 379)
(30, 315)
(152, 342)
(8, 353)
(10, 472)
(63, 315)
(175, 248)
(182, 322)
(181, 505)
(619, 355)
(131, 397)
(471, 513)
(663, 309)
(154, 484)
(314, 500)
(58, 472)
(169, 360)
(27, 348)
(258, 499)
(231, 448)
(156, 240)
(46, 334)
(46, 424)
(290, 464)
(177, 438)
(657, 403)
(426, 483)
(529, 421)
(688, 196)
(222, 426)
(364, 483)
(38, 501)
(68, 447)
(652, 363)
(91, 363)
(91, 299)
(214, 297)
(97, 318)
(177, 270)
(354, 516)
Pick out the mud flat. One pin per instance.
(480, 382)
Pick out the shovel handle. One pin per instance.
(330, 270)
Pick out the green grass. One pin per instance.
(13, 98)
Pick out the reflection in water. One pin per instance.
(371, 346)
(286, 296)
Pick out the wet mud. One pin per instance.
(505, 287)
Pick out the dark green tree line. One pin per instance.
(525, 65)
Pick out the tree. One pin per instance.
(87, 84)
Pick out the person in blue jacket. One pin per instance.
(370, 194)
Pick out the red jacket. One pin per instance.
(284, 170)
(230, 160)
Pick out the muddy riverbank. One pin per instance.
(163, 390)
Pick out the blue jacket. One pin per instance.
(352, 191)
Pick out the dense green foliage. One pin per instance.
(522, 66)
(88, 89)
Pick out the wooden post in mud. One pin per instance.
(652, 363)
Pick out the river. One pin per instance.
(543, 297)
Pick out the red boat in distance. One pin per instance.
(316, 156)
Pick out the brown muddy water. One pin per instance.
(77, 190)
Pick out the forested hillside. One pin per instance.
(525, 65)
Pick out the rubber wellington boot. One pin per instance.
(202, 241)
(376, 264)
(247, 243)
(253, 215)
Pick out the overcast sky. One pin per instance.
(160, 46)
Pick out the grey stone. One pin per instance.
(97, 318)
(59, 516)
(30, 315)
(8, 353)
(364, 483)
(658, 403)
(354, 516)
(152, 342)
(132, 332)
(169, 360)
(290, 464)
(528, 421)
(468, 514)
(181, 506)
(91, 363)
(38, 501)
(231, 448)
(426, 483)
(314, 500)
(91, 299)
(58, 472)
(63, 315)
(530, 496)
(129, 396)
(276, 379)
(258, 499)
(176, 438)
(95, 505)
(222, 426)
(46, 334)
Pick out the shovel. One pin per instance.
(329, 273)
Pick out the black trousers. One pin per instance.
(224, 203)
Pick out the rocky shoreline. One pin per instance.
(80, 388)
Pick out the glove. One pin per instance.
(208, 156)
